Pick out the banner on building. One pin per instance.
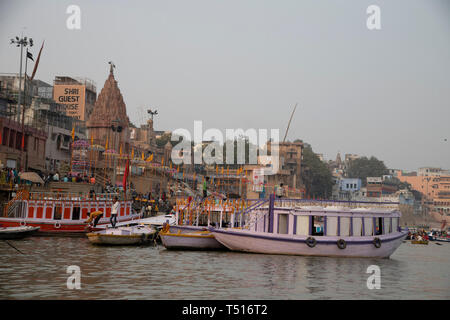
(72, 96)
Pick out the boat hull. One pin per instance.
(13, 233)
(59, 227)
(108, 239)
(121, 237)
(246, 241)
(191, 241)
(186, 229)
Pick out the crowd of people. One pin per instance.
(9, 176)
(420, 235)
(150, 204)
(69, 178)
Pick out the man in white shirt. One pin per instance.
(114, 211)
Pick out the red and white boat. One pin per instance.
(62, 213)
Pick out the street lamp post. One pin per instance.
(21, 42)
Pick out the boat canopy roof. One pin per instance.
(340, 211)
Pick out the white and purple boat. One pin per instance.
(332, 229)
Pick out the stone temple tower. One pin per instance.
(109, 120)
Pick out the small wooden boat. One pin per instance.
(134, 235)
(10, 233)
(419, 241)
(441, 239)
(194, 240)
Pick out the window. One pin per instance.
(76, 213)
(357, 227)
(331, 226)
(58, 213)
(387, 225)
(283, 223)
(379, 226)
(394, 224)
(344, 226)
(12, 138)
(302, 227)
(368, 226)
(5, 136)
(317, 225)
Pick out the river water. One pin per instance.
(152, 272)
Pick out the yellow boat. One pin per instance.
(419, 241)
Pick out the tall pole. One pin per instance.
(23, 113)
(20, 83)
(287, 129)
(21, 42)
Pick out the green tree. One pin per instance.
(316, 176)
(164, 138)
(364, 167)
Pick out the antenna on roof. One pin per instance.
(287, 129)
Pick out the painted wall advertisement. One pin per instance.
(73, 97)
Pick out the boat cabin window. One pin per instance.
(57, 213)
(387, 225)
(344, 227)
(76, 213)
(368, 226)
(317, 225)
(379, 226)
(302, 226)
(283, 223)
(357, 227)
(332, 226)
(394, 224)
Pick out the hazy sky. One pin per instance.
(244, 64)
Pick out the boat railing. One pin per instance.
(64, 196)
(339, 203)
(15, 206)
(243, 214)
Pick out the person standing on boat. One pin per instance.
(114, 211)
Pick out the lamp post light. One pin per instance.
(152, 113)
(21, 42)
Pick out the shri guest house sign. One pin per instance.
(73, 97)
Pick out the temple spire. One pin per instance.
(111, 68)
